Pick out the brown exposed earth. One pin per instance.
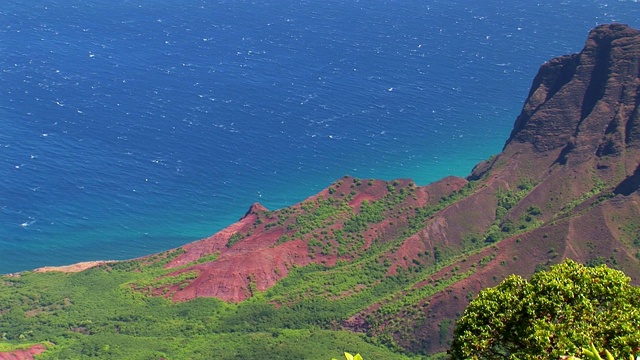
(577, 139)
(258, 260)
(573, 154)
(26, 354)
(565, 186)
(578, 132)
(81, 266)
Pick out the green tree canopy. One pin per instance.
(556, 313)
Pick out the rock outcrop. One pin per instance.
(565, 185)
(260, 249)
(577, 141)
(400, 262)
(586, 103)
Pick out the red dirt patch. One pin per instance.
(27, 354)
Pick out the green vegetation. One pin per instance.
(122, 310)
(506, 200)
(509, 198)
(208, 258)
(592, 353)
(234, 239)
(4, 346)
(119, 309)
(99, 314)
(164, 281)
(318, 214)
(598, 186)
(351, 357)
(558, 312)
(370, 213)
(416, 221)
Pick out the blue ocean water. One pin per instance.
(130, 127)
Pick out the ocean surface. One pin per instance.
(129, 127)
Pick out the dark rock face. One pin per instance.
(254, 209)
(586, 103)
(575, 148)
(578, 139)
(629, 185)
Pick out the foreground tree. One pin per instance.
(558, 312)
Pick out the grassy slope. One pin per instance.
(96, 314)
(108, 312)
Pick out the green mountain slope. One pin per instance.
(380, 268)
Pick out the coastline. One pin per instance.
(73, 268)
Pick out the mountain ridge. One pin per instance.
(578, 131)
(399, 262)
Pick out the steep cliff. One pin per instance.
(396, 261)
(564, 186)
(573, 157)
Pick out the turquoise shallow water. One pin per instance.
(131, 127)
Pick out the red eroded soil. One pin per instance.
(23, 354)
(573, 158)
(258, 256)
